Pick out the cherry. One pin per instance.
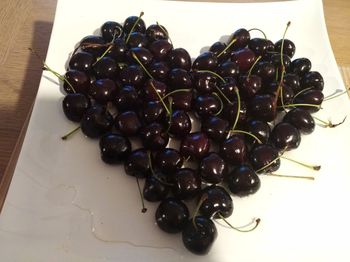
(243, 181)
(249, 85)
(287, 92)
(285, 136)
(311, 97)
(219, 48)
(216, 128)
(93, 44)
(234, 150)
(110, 30)
(138, 164)
(143, 55)
(204, 82)
(103, 90)
(288, 47)
(117, 50)
(195, 145)
(205, 61)
(168, 160)
(81, 61)
(137, 39)
(186, 183)
(132, 75)
(301, 119)
(199, 236)
(179, 58)
(160, 49)
(180, 124)
(153, 136)
(266, 70)
(231, 110)
(211, 168)
(155, 189)
(159, 70)
(106, 67)
(264, 158)
(172, 215)
(128, 123)
(79, 80)
(153, 89)
(75, 105)
(206, 106)
(242, 37)
(293, 81)
(244, 58)
(96, 121)
(156, 32)
(275, 59)
(263, 107)
(126, 99)
(152, 111)
(259, 46)
(228, 69)
(134, 24)
(300, 66)
(182, 100)
(312, 79)
(259, 129)
(114, 148)
(216, 201)
(179, 79)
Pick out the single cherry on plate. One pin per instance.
(75, 105)
(138, 164)
(243, 181)
(135, 23)
(132, 75)
(300, 66)
(79, 80)
(180, 124)
(215, 200)
(312, 79)
(179, 79)
(128, 123)
(309, 100)
(81, 61)
(179, 58)
(244, 58)
(186, 183)
(156, 188)
(285, 136)
(168, 160)
(301, 119)
(127, 99)
(195, 145)
(104, 90)
(110, 30)
(234, 150)
(263, 107)
(156, 32)
(114, 148)
(264, 158)
(105, 67)
(159, 70)
(211, 168)
(288, 47)
(260, 129)
(206, 106)
(205, 61)
(154, 136)
(93, 44)
(216, 128)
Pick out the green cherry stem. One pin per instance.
(302, 91)
(196, 211)
(160, 99)
(133, 27)
(221, 104)
(329, 123)
(66, 136)
(246, 133)
(238, 111)
(227, 47)
(176, 91)
(313, 167)
(165, 32)
(336, 95)
(251, 68)
(257, 29)
(144, 209)
(296, 105)
(143, 67)
(257, 222)
(301, 177)
(107, 50)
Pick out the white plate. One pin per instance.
(62, 190)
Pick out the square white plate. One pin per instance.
(65, 204)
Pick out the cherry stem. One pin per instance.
(269, 164)
(196, 211)
(170, 100)
(251, 68)
(302, 91)
(46, 67)
(296, 105)
(144, 209)
(160, 98)
(133, 27)
(165, 32)
(329, 123)
(227, 47)
(70, 133)
(238, 111)
(257, 29)
(257, 222)
(313, 167)
(247, 133)
(176, 91)
(139, 62)
(221, 104)
(103, 55)
(336, 95)
(300, 177)
(153, 173)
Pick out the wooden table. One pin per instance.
(28, 23)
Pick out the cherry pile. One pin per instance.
(251, 100)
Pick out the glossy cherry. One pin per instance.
(96, 121)
(212, 168)
(168, 160)
(179, 58)
(156, 188)
(263, 158)
(216, 201)
(138, 164)
(81, 61)
(216, 128)
(154, 136)
(234, 150)
(243, 181)
(110, 30)
(114, 148)
(285, 136)
(128, 123)
(186, 183)
(195, 145)
(301, 119)
(75, 105)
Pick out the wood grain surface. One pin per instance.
(28, 23)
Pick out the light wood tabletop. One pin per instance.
(28, 23)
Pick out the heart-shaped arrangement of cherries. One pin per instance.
(131, 84)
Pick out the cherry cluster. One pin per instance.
(251, 102)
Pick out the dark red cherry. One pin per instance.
(234, 150)
(206, 106)
(229, 88)
(285, 136)
(195, 145)
(212, 168)
(258, 128)
(81, 61)
(180, 124)
(151, 88)
(93, 44)
(138, 164)
(179, 58)
(103, 90)
(204, 82)
(242, 37)
(126, 99)
(135, 23)
(110, 30)
(312, 79)
(265, 70)
(144, 56)
(218, 49)
(243, 181)
(261, 157)
(275, 59)
(156, 32)
(228, 69)
(132, 75)
(75, 105)
(293, 81)
(106, 67)
(301, 119)
(137, 39)
(186, 183)
(114, 148)
(231, 110)
(79, 80)
(154, 136)
(96, 121)
(160, 49)
(179, 79)
(244, 58)
(249, 85)
(182, 100)
(200, 237)
(205, 61)
(118, 50)
(159, 70)
(172, 215)
(168, 160)
(216, 128)
(288, 47)
(300, 66)
(128, 123)
(258, 45)
(152, 111)
(217, 201)
(263, 107)
(313, 97)
(156, 188)
(287, 92)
